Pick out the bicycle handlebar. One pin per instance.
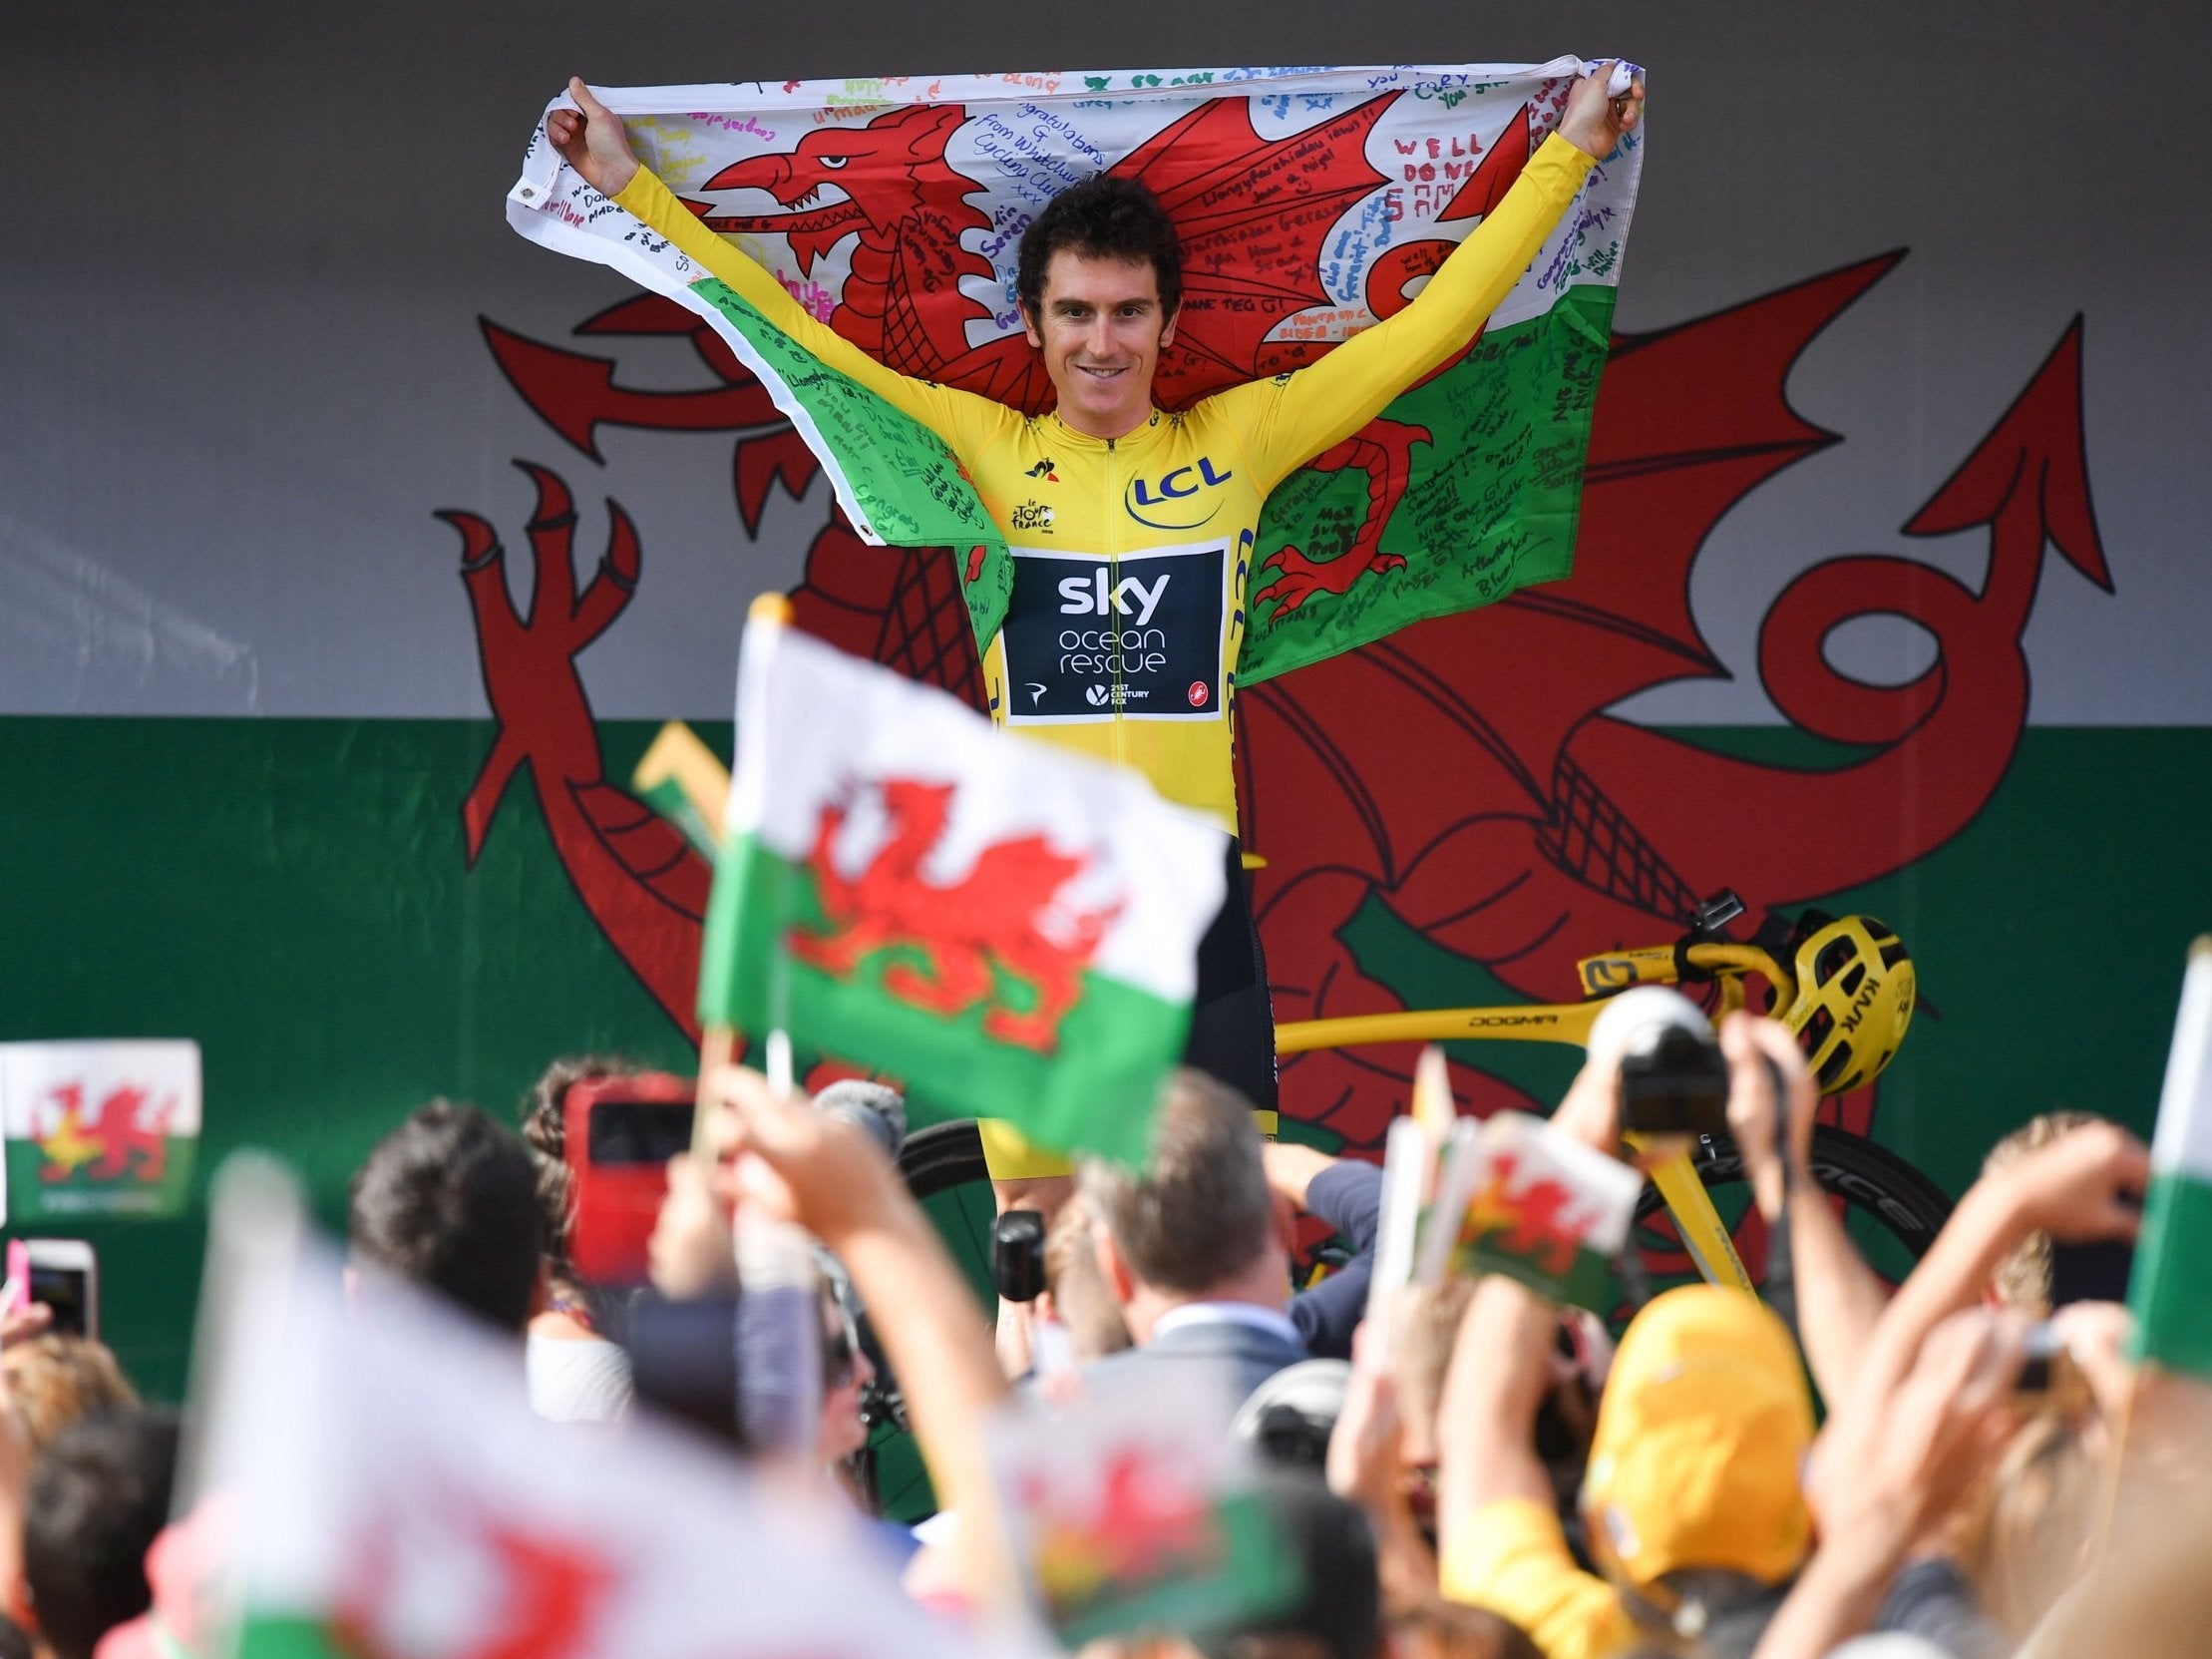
(1542, 1023)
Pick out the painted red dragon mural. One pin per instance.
(1464, 773)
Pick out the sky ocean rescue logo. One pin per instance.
(1088, 638)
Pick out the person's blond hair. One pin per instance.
(56, 1380)
(2029, 1539)
(2023, 1279)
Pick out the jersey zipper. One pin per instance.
(1118, 731)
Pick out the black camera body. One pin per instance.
(1674, 1078)
(1676, 1085)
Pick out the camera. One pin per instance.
(1017, 1255)
(1674, 1078)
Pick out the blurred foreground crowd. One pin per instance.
(1465, 1471)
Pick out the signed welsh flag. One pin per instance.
(2173, 1257)
(1311, 204)
(1009, 929)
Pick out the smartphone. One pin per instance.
(618, 1135)
(65, 1275)
(2093, 1272)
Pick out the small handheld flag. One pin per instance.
(1011, 929)
(2173, 1255)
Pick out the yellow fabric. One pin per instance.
(1512, 1557)
(1700, 1439)
(1076, 506)
(1010, 1155)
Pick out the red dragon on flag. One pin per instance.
(1463, 773)
(955, 937)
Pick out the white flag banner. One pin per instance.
(390, 1492)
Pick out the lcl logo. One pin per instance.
(1162, 497)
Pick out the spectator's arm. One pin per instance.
(2083, 1185)
(1919, 1449)
(1292, 1169)
(1347, 1196)
(1501, 1364)
(1839, 1300)
(1365, 1466)
(836, 1183)
(1486, 1421)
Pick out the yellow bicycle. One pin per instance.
(1847, 995)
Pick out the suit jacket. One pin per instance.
(1247, 1354)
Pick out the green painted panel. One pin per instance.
(296, 894)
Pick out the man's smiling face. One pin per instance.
(1101, 329)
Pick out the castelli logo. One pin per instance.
(1197, 694)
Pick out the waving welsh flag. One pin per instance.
(378, 1488)
(1009, 929)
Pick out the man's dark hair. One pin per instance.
(1103, 217)
(99, 1494)
(449, 1199)
(1202, 1213)
(1339, 1612)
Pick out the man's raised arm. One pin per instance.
(1330, 400)
(591, 140)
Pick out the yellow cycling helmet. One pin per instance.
(1854, 1000)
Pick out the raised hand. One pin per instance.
(1595, 121)
(591, 140)
(795, 1164)
(2086, 1185)
(1757, 1050)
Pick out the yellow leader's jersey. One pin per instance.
(1132, 555)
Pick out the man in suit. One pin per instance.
(1192, 1250)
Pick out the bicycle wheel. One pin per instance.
(942, 1166)
(1890, 1210)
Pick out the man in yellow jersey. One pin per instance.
(1130, 529)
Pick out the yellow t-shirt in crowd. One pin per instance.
(1512, 1557)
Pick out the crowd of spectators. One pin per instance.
(1966, 1463)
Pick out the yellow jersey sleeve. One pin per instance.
(1512, 1557)
(963, 420)
(1291, 419)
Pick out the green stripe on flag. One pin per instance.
(909, 485)
(2170, 1287)
(1095, 1092)
(1491, 502)
(39, 1192)
(1251, 1573)
(286, 1636)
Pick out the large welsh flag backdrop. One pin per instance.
(1311, 204)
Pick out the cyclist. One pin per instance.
(1139, 520)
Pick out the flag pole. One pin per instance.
(769, 615)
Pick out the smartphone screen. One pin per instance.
(69, 1295)
(640, 1131)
